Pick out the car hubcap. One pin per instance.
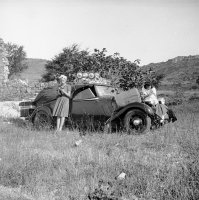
(136, 122)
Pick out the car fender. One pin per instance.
(136, 105)
(43, 108)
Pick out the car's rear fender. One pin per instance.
(141, 106)
(43, 108)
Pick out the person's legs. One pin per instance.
(161, 111)
(58, 123)
(62, 120)
(172, 115)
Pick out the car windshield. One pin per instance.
(106, 90)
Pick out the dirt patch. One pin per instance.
(9, 109)
(8, 193)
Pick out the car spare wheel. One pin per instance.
(136, 122)
(42, 120)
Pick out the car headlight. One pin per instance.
(85, 75)
(79, 75)
(91, 75)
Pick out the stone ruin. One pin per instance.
(4, 71)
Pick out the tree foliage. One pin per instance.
(3, 52)
(16, 55)
(120, 71)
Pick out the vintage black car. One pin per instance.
(92, 106)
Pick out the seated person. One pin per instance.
(149, 95)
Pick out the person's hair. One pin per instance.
(147, 85)
(58, 78)
(62, 76)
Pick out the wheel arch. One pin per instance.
(41, 108)
(138, 106)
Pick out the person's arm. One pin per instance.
(66, 92)
(153, 91)
(145, 93)
(148, 93)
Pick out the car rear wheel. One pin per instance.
(137, 122)
(42, 120)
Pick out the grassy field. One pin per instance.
(162, 164)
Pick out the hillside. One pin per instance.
(36, 67)
(183, 69)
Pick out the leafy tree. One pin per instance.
(3, 52)
(16, 56)
(121, 72)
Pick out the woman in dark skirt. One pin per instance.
(61, 108)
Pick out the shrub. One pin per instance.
(120, 71)
(178, 97)
(194, 87)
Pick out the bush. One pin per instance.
(178, 97)
(194, 97)
(122, 73)
(194, 87)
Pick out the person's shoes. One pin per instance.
(174, 119)
(162, 119)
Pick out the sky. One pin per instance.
(149, 30)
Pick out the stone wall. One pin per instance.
(17, 90)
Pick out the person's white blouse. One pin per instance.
(152, 98)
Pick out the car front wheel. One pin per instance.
(42, 120)
(137, 122)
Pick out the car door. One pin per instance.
(84, 103)
(87, 105)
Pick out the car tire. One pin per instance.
(137, 122)
(42, 120)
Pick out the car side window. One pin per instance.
(85, 94)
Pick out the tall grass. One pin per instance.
(162, 164)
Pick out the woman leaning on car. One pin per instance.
(61, 108)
